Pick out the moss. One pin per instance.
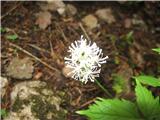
(40, 107)
(18, 104)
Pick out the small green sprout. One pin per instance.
(13, 37)
(156, 50)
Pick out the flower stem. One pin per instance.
(104, 89)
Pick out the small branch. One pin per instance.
(12, 9)
(104, 89)
(36, 58)
(84, 31)
(51, 47)
(63, 35)
(87, 103)
(38, 48)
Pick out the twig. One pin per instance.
(84, 31)
(63, 35)
(104, 89)
(52, 53)
(13, 8)
(87, 103)
(38, 48)
(36, 58)
(51, 47)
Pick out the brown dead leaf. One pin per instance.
(38, 75)
(127, 23)
(90, 21)
(71, 9)
(136, 54)
(57, 5)
(52, 5)
(125, 71)
(106, 15)
(20, 68)
(65, 72)
(43, 19)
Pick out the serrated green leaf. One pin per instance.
(149, 80)
(12, 37)
(148, 105)
(156, 50)
(111, 109)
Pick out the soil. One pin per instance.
(19, 17)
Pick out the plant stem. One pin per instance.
(104, 89)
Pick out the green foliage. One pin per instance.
(2, 29)
(119, 83)
(146, 107)
(149, 80)
(156, 50)
(3, 113)
(111, 109)
(128, 37)
(13, 37)
(116, 60)
(147, 104)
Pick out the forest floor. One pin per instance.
(126, 32)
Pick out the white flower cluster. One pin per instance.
(84, 60)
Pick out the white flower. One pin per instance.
(85, 60)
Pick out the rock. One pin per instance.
(4, 83)
(106, 15)
(71, 9)
(34, 100)
(20, 68)
(127, 23)
(90, 21)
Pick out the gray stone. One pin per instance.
(34, 100)
(4, 83)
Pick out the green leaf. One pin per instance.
(148, 105)
(128, 37)
(3, 112)
(111, 109)
(119, 84)
(2, 29)
(12, 37)
(156, 50)
(149, 80)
